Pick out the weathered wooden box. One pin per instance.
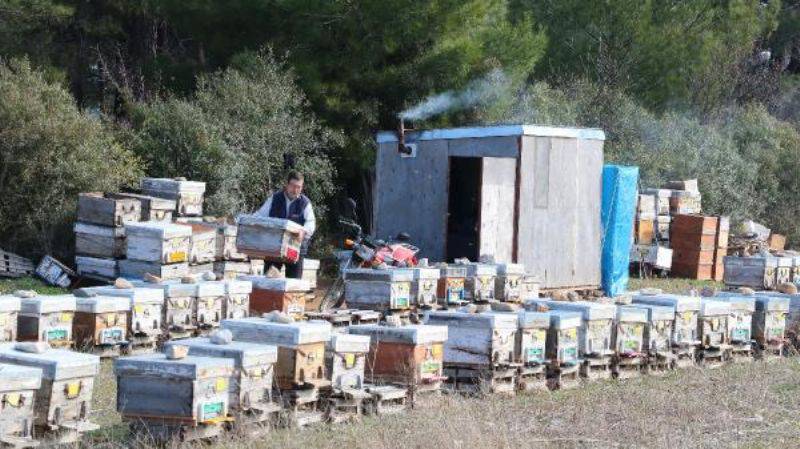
(210, 298)
(311, 272)
(201, 269)
(740, 321)
(410, 355)
(180, 305)
(101, 324)
(479, 340)
(202, 244)
(237, 299)
(301, 348)
(770, 321)
(754, 272)
(277, 294)
(379, 290)
(99, 241)
(658, 331)
(63, 403)
(530, 348)
(273, 239)
(686, 309)
(146, 313)
(451, 284)
(96, 268)
(18, 387)
(226, 248)
(192, 391)
(54, 272)
(685, 202)
(153, 208)
(629, 331)
(47, 319)
(231, 270)
(155, 241)
(254, 369)
(480, 282)
(107, 209)
(783, 273)
(662, 197)
(187, 194)
(345, 360)
(595, 336)
(712, 323)
(424, 285)
(508, 285)
(562, 337)
(136, 269)
(9, 315)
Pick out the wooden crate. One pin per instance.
(9, 316)
(685, 202)
(450, 288)
(754, 272)
(277, 294)
(697, 271)
(136, 269)
(18, 387)
(482, 341)
(107, 209)
(508, 285)
(688, 257)
(187, 194)
(96, 268)
(202, 244)
(152, 208)
(160, 242)
(776, 242)
(380, 290)
(686, 224)
(12, 265)
(101, 324)
(47, 319)
(99, 241)
(644, 231)
(480, 281)
(226, 248)
(273, 239)
(54, 272)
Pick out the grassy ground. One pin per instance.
(28, 283)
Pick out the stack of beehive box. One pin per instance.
(699, 245)
(230, 262)
(651, 236)
(157, 248)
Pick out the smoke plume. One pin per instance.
(485, 90)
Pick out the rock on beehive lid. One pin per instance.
(532, 320)
(244, 354)
(416, 334)
(353, 343)
(388, 275)
(48, 304)
(190, 367)
(259, 330)
(56, 364)
(276, 284)
(9, 303)
(472, 320)
(102, 304)
(680, 303)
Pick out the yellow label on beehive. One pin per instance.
(66, 317)
(572, 333)
(437, 350)
(3, 319)
(221, 385)
(349, 360)
(73, 390)
(138, 308)
(176, 256)
(12, 399)
(540, 335)
(687, 316)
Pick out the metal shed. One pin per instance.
(520, 193)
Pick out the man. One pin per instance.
(291, 204)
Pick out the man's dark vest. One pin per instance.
(278, 208)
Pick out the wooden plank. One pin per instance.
(498, 185)
(106, 210)
(503, 147)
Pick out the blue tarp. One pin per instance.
(617, 214)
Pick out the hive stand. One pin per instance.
(563, 376)
(385, 399)
(532, 377)
(501, 379)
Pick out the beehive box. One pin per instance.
(273, 239)
(254, 369)
(770, 322)
(9, 314)
(160, 242)
(450, 288)
(54, 272)
(480, 282)
(662, 197)
(530, 347)
(796, 269)
(225, 246)
(99, 241)
(783, 272)
(686, 310)
(481, 340)
(146, 314)
(101, 324)
(379, 290)
(340, 319)
(595, 334)
(629, 341)
(644, 231)
(96, 268)
(136, 269)
(424, 285)
(209, 305)
(754, 272)
(508, 284)
(197, 270)
(740, 321)
(231, 270)
(663, 227)
(529, 288)
(152, 208)
(18, 387)
(180, 303)
(685, 202)
(658, 334)
(301, 348)
(277, 294)
(168, 396)
(107, 209)
(187, 194)
(410, 355)
(63, 402)
(202, 244)
(712, 325)
(310, 272)
(646, 206)
(345, 360)
(47, 319)
(563, 349)
(237, 299)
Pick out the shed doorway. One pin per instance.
(463, 207)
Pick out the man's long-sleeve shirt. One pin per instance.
(308, 214)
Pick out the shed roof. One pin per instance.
(494, 131)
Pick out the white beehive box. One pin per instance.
(136, 269)
(47, 318)
(686, 312)
(180, 303)
(713, 322)
(480, 282)
(231, 269)
(531, 339)
(202, 244)
(18, 387)
(156, 241)
(562, 337)
(10, 306)
(595, 334)
(740, 321)
(107, 209)
(380, 290)
(658, 330)
(153, 208)
(480, 340)
(237, 299)
(424, 286)
(101, 322)
(225, 247)
(96, 268)
(509, 282)
(311, 271)
(99, 241)
(772, 318)
(345, 360)
(273, 239)
(146, 311)
(187, 194)
(629, 338)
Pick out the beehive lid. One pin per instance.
(259, 330)
(310, 264)
(170, 288)
(388, 275)
(271, 223)
(784, 261)
(191, 367)
(631, 314)
(210, 288)
(137, 295)
(349, 343)
(16, 378)
(201, 230)
(238, 287)
(473, 320)
(155, 203)
(173, 185)
(772, 302)
(745, 303)
(589, 310)
(713, 307)
(680, 303)
(103, 231)
(245, 354)
(564, 319)
(157, 229)
(9, 303)
(453, 271)
(666, 193)
(425, 273)
(276, 284)
(103, 304)
(56, 364)
(657, 313)
(227, 230)
(48, 304)
(481, 269)
(506, 269)
(532, 320)
(416, 334)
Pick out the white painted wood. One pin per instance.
(498, 182)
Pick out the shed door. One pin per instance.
(496, 231)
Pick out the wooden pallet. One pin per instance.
(14, 266)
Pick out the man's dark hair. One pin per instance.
(294, 175)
